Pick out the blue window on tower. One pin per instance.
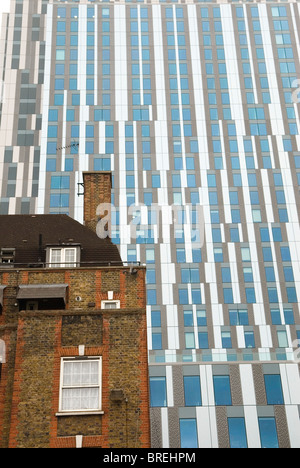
(267, 254)
(156, 181)
(51, 148)
(130, 181)
(283, 215)
(90, 69)
(183, 296)
(289, 316)
(192, 390)
(59, 69)
(214, 216)
(59, 84)
(73, 69)
(58, 99)
(226, 275)
(60, 182)
(268, 433)
(264, 235)
(89, 54)
(228, 296)
(285, 254)
(275, 316)
(61, 12)
(74, 12)
(238, 317)
(51, 165)
(273, 388)
(75, 131)
(250, 295)
(213, 198)
(131, 255)
(234, 198)
(190, 275)
(89, 131)
(248, 275)
(237, 433)
(188, 433)
(156, 318)
(236, 216)
(147, 164)
(146, 147)
(270, 274)
(218, 255)
(191, 180)
(188, 319)
(158, 392)
(226, 339)
(156, 340)
(90, 84)
(222, 390)
(148, 198)
(176, 181)
(278, 179)
(61, 40)
(273, 295)
(52, 131)
(69, 165)
(53, 115)
(74, 26)
(59, 200)
(292, 295)
(196, 296)
(74, 40)
(89, 147)
(180, 255)
(249, 339)
(70, 117)
(151, 297)
(203, 340)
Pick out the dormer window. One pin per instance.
(7, 256)
(63, 257)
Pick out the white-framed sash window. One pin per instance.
(65, 257)
(80, 385)
(110, 305)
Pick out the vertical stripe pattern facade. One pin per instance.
(194, 107)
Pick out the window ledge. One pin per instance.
(78, 413)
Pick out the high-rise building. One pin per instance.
(194, 107)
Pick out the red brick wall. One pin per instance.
(29, 387)
(97, 190)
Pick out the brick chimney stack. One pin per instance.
(97, 190)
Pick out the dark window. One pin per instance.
(7, 256)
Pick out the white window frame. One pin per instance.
(2, 352)
(82, 411)
(62, 263)
(104, 303)
(7, 256)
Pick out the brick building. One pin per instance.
(73, 334)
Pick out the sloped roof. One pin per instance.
(25, 232)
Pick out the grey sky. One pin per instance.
(4, 6)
